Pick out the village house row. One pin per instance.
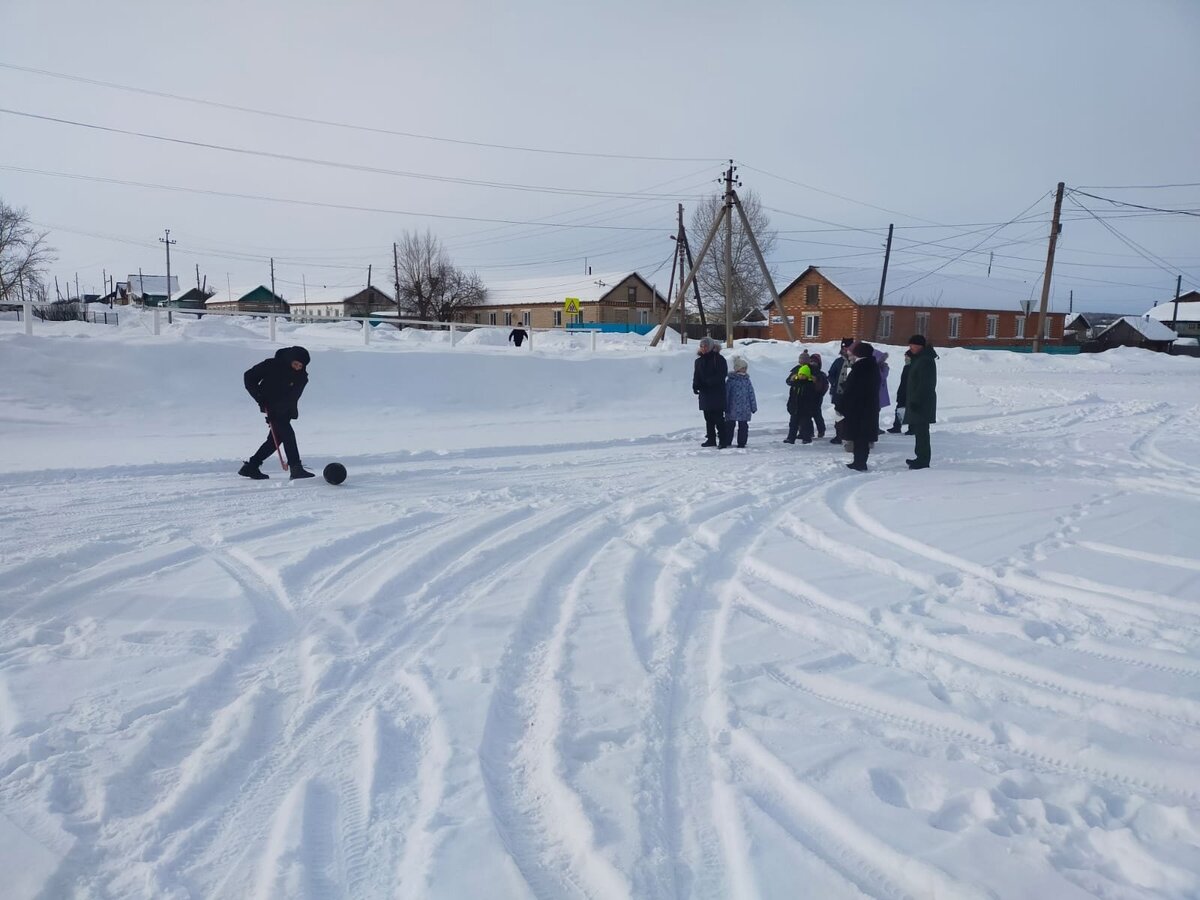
(821, 304)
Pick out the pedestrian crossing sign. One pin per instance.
(571, 306)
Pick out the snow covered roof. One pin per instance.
(907, 287)
(152, 284)
(1147, 328)
(1189, 311)
(554, 289)
(1095, 320)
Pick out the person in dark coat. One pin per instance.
(822, 382)
(901, 392)
(276, 385)
(518, 335)
(836, 380)
(920, 409)
(708, 383)
(803, 401)
(859, 404)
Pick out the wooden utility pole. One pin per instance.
(396, 273)
(369, 282)
(729, 255)
(168, 242)
(197, 276)
(1175, 314)
(274, 296)
(1055, 228)
(725, 216)
(887, 255)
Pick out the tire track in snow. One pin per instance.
(1171, 782)
(541, 820)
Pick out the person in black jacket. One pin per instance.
(901, 395)
(859, 404)
(276, 385)
(708, 383)
(517, 336)
(835, 385)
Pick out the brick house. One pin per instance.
(620, 300)
(828, 303)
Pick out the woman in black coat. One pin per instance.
(859, 404)
(708, 383)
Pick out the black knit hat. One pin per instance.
(846, 342)
(299, 353)
(862, 350)
(918, 339)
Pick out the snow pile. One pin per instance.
(541, 644)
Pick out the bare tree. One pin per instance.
(430, 287)
(24, 255)
(749, 285)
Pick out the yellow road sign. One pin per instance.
(571, 305)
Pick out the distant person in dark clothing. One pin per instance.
(859, 404)
(920, 394)
(276, 385)
(838, 371)
(708, 383)
(518, 335)
(901, 395)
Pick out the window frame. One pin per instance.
(812, 325)
(993, 327)
(812, 295)
(954, 332)
(887, 320)
(1019, 327)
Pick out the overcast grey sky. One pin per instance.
(955, 112)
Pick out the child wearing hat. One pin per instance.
(740, 404)
(803, 402)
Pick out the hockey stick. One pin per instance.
(278, 449)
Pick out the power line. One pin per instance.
(1138, 187)
(331, 123)
(809, 187)
(1182, 212)
(314, 203)
(329, 163)
(1162, 264)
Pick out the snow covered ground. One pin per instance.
(541, 644)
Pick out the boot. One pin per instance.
(835, 440)
(895, 429)
(709, 443)
(916, 464)
(252, 470)
(298, 471)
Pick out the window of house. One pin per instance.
(1019, 330)
(577, 318)
(1047, 325)
(955, 325)
(812, 326)
(491, 318)
(885, 325)
(526, 317)
(632, 295)
(812, 295)
(993, 326)
(923, 323)
(644, 316)
(508, 317)
(558, 318)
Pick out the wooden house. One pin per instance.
(620, 301)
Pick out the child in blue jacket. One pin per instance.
(740, 404)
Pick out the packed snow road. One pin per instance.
(566, 652)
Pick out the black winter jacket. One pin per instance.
(275, 386)
(835, 369)
(708, 380)
(859, 402)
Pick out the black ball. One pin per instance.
(335, 473)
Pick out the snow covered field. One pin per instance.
(541, 644)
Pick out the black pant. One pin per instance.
(287, 440)
(820, 420)
(713, 420)
(862, 449)
(800, 424)
(924, 452)
(743, 433)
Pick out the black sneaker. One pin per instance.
(915, 464)
(298, 471)
(806, 441)
(250, 470)
(709, 444)
(789, 440)
(895, 429)
(856, 468)
(835, 440)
